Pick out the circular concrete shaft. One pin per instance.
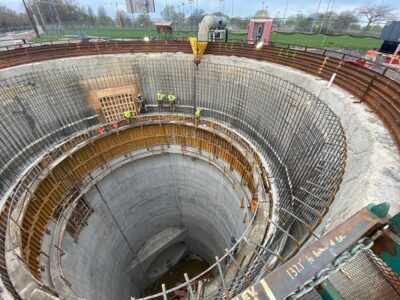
(166, 206)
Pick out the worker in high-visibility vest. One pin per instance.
(160, 99)
(197, 115)
(171, 100)
(128, 114)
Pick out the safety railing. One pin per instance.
(392, 72)
(241, 280)
(21, 196)
(208, 273)
(381, 68)
(310, 217)
(377, 86)
(314, 207)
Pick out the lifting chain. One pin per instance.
(350, 254)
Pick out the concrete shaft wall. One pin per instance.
(293, 130)
(274, 107)
(145, 198)
(37, 110)
(372, 162)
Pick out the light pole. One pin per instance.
(183, 9)
(316, 15)
(299, 13)
(324, 18)
(117, 14)
(31, 19)
(191, 13)
(40, 16)
(284, 14)
(277, 18)
(117, 18)
(329, 23)
(179, 19)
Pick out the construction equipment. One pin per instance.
(198, 49)
(214, 24)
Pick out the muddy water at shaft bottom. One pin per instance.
(191, 264)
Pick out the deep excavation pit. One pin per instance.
(192, 265)
(162, 187)
(167, 188)
(167, 206)
(167, 192)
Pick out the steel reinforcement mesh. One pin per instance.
(367, 277)
(37, 111)
(300, 138)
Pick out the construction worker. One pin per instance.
(372, 55)
(253, 205)
(197, 115)
(233, 243)
(128, 114)
(115, 124)
(171, 100)
(160, 99)
(141, 102)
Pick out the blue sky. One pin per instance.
(241, 8)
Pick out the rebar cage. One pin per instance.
(300, 138)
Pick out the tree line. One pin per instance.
(10, 18)
(366, 18)
(69, 12)
(369, 18)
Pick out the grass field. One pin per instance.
(315, 40)
(327, 41)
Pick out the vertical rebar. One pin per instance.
(164, 291)
(221, 275)
(189, 286)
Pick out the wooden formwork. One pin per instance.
(64, 177)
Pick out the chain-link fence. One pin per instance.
(300, 24)
(330, 26)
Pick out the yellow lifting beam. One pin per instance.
(198, 49)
